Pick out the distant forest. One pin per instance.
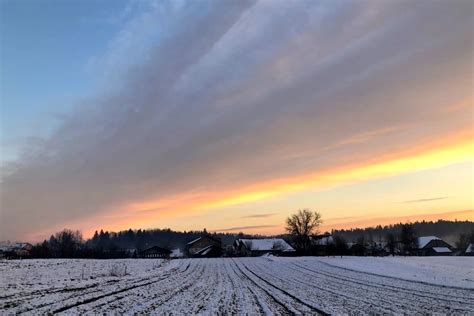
(447, 230)
(142, 239)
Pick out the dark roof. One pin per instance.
(432, 242)
(204, 236)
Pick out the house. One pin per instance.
(15, 250)
(433, 246)
(204, 246)
(155, 252)
(258, 247)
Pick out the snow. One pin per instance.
(447, 271)
(470, 248)
(13, 246)
(193, 241)
(423, 241)
(441, 249)
(204, 251)
(267, 244)
(250, 286)
(176, 253)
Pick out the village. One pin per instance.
(209, 246)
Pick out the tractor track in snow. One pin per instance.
(385, 298)
(136, 284)
(236, 286)
(373, 284)
(275, 300)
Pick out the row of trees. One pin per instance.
(70, 244)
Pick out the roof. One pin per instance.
(199, 238)
(267, 244)
(204, 251)
(423, 241)
(441, 249)
(13, 246)
(193, 241)
(470, 248)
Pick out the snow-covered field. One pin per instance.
(244, 285)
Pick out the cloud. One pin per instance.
(259, 215)
(241, 228)
(426, 200)
(228, 99)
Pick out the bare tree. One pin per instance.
(301, 225)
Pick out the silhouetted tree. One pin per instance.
(391, 243)
(65, 244)
(408, 239)
(341, 247)
(301, 225)
(464, 240)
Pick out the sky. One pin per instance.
(232, 115)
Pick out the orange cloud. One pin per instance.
(454, 149)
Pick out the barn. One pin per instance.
(15, 250)
(204, 246)
(433, 246)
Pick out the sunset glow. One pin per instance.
(454, 150)
(230, 116)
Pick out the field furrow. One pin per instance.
(265, 285)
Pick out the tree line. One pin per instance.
(455, 232)
(301, 229)
(123, 244)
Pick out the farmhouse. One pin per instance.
(204, 246)
(15, 250)
(258, 247)
(155, 252)
(433, 246)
